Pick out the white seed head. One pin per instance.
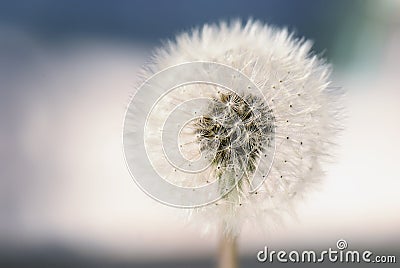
(292, 125)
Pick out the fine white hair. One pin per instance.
(296, 86)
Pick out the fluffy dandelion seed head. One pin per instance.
(292, 123)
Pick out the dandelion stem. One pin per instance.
(227, 251)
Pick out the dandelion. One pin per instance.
(277, 129)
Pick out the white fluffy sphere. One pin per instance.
(298, 111)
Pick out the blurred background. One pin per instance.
(67, 71)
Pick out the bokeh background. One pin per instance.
(67, 71)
